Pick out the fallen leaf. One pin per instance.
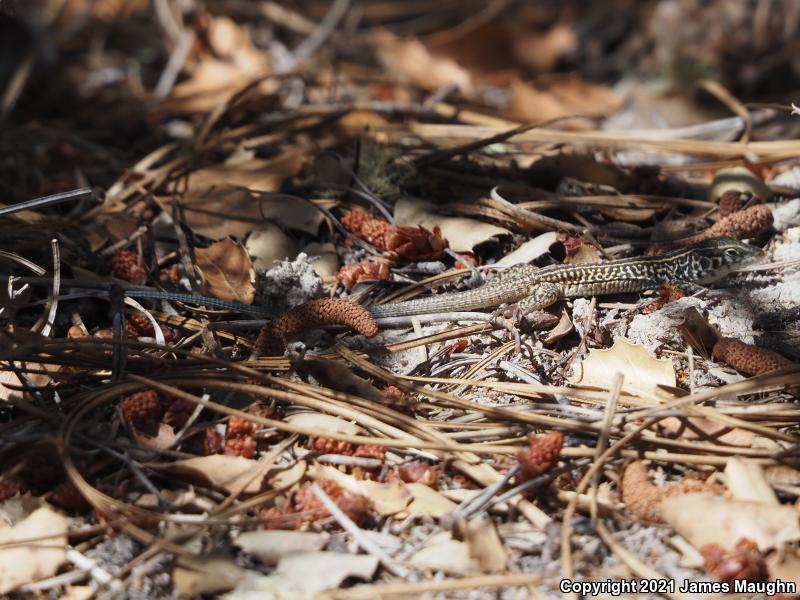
(442, 553)
(165, 438)
(219, 471)
(643, 373)
(33, 560)
(218, 211)
(292, 212)
(530, 250)
(195, 576)
(409, 59)
(230, 62)
(560, 96)
(485, 545)
(746, 481)
(255, 174)
(702, 428)
(705, 518)
(227, 271)
(428, 502)
(462, 233)
(562, 328)
(315, 572)
(329, 423)
(271, 546)
(268, 244)
(387, 498)
(542, 50)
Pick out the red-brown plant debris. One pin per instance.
(418, 472)
(746, 223)
(541, 455)
(313, 314)
(732, 201)
(139, 325)
(10, 487)
(304, 507)
(407, 243)
(371, 451)
(642, 497)
(325, 445)
(128, 266)
(749, 359)
(240, 439)
(666, 294)
(208, 441)
(745, 561)
(144, 410)
(68, 497)
(365, 270)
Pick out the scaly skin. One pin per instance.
(533, 288)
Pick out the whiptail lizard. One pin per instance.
(533, 288)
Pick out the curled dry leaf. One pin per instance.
(746, 481)
(205, 575)
(315, 572)
(485, 544)
(560, 97)
(290, 211)
(411, 60)
(442, 553)
(704, 518)
(428, 502)
(329, 423)
(387, 498)
(643, 373)
(323, 258)
(227, 271)
(462, 233)
(37, 559)
(270, 546)
(530, 250)
(229, 62)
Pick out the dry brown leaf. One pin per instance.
(746, 481)
(292, 212)
(428, 502)
(220, 471)
(269, 243)
(37, 559)
(195, 576)
(702, 428)
(218, 211)
(328, 423)
(541, 51)
(387, 498)
(271, 546)
(562, 328)
(226, 271)
(463, 234)
(710, 519)
(232, 63)
(559, 97)
(530, 250)
(409, 59)
(643, 373)
(315, 572)
(485, 545)
(255, 174)
(442, 553)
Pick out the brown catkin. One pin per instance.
(311, 315)
(748, 359)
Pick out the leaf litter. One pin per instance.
(309, 159)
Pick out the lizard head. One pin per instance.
(713, 259)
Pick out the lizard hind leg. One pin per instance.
(543, 295)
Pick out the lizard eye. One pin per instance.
(731, 252)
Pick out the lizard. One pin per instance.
(534, 288)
